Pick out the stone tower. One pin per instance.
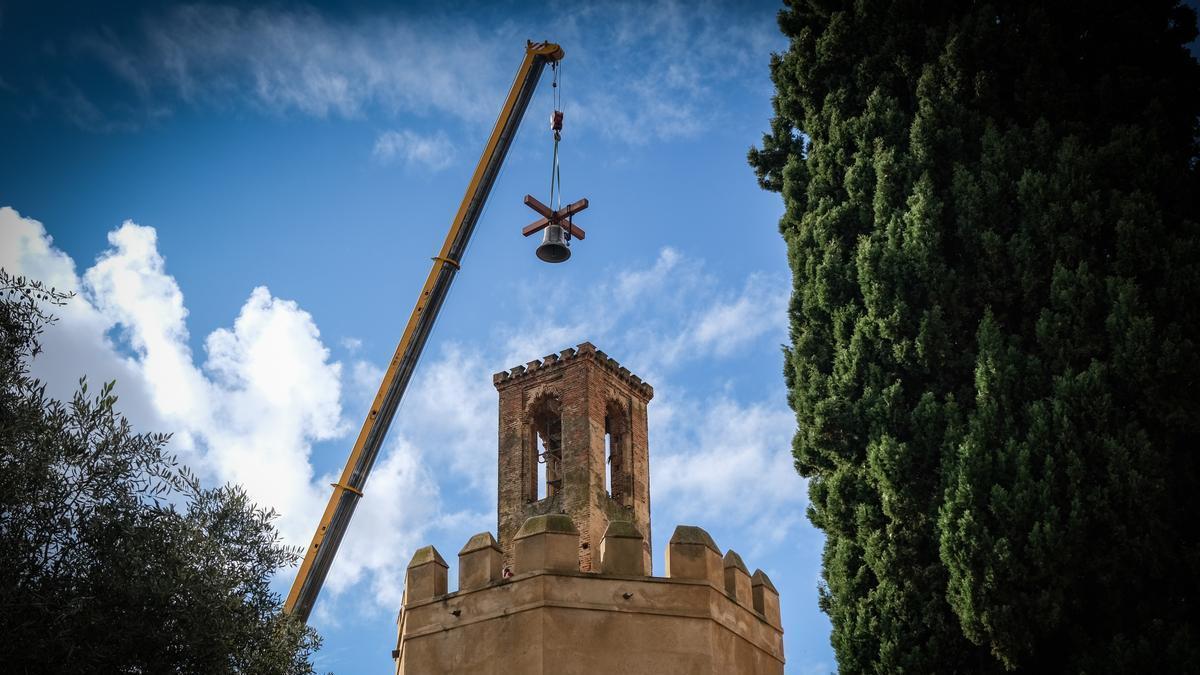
(568, 587)
(573, 440)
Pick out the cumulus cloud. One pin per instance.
(279, 393)
(84, 348)
(721, 460)
(403, 503)
(129, 287)
(452, 407)
(268, 390)
(27, 249)
(434, 151)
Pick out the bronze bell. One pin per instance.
(553, 248)
(557, 229)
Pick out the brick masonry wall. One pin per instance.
(585, 381)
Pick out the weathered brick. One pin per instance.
(586, 388)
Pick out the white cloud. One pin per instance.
(129, 287)
(434, 152)
(266, 393)
(297, 59)
(401, 503)
(672, 59)
(268, 390)
(730, 322)
(26, 248)
(635, 72)
(278, 395)
(81, 347)
(714, 458)
(671, 312)
(720, 460)
(633, 283)
(452, 407)
(366, 376)
(728, 326)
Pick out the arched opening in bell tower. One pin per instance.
(617, 481)
(544, 477)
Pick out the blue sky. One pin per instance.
(246, 200)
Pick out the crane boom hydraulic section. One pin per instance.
(349, 488)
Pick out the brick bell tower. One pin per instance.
(573, 440)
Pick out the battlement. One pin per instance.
(543, 614)
(584, 351)
(566, 585)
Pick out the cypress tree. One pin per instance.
(991, 220)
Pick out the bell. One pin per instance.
(553, 249)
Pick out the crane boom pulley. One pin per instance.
(349, 487)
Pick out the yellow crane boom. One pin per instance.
(349, 488)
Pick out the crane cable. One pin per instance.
(556, 120)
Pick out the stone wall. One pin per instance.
(708, 615)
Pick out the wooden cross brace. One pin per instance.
(551, 217)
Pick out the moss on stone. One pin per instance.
(551, 523)
(621, 529)
(732, 559)
(690, 534)
(425, 555)
(478, 542)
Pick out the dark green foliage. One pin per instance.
(112, 557)
(991, 220)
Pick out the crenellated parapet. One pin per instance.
(583, 351)
(479, 562)
(718, 617)
(567, 584)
